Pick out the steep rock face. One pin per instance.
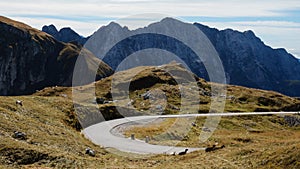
(144, 47)
(51, 30)
(246, 59)
(249, 62)
(31, 60)
(64, 35)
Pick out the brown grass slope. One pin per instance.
(54, 138)
(238, 99)
(54, 142)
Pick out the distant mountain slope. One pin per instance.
(247, 60)
(31, 59)
(64, 35)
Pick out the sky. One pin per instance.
(276, 22)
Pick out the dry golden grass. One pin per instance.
(238, 99)
(59, 145)
(48, 119)
(250, 142)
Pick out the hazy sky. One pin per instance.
(276, 22)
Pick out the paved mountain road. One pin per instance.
(104, 134)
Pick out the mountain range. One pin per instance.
(32, 59)
(246, 59)
(251, 63)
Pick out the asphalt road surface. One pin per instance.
(104, 134)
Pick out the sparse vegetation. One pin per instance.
(54, 139)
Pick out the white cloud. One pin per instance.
(278, 24)
(122, 8)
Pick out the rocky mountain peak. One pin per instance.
(170, 20)
(113, 27)
(31, 59)
(51, 29)
(68, 30)
(65, 34)
(249, 33)
(246, 59)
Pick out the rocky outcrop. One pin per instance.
(292, 121)
(31, 60)
(64, 34)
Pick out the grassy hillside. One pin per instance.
(160, 82)
(54, 139)
(54, 142)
